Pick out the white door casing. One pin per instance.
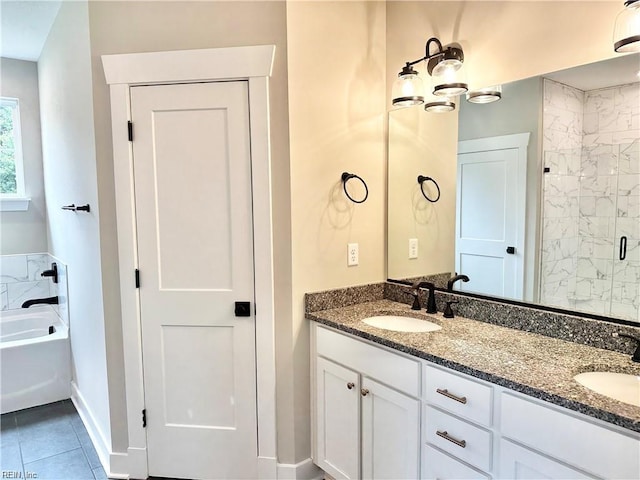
(490, 214)
(194, 221)
(122, 72)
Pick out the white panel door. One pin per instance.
(192, 169)
(390, 433)
(337, 420)
(490, 217)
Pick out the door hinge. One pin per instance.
(144, 418)
(130, 130)
(137, 278)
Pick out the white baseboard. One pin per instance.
(108, 459)
(305, 470)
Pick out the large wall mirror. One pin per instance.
(539, 192)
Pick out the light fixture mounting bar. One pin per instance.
(427, 55)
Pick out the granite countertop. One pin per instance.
(536, 365)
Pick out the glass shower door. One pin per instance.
(625, 297)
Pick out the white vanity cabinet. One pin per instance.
(457, 420)
(381, 414)
(567, 438)
(367, 416)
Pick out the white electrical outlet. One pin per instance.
(413, 248)
(352, 254)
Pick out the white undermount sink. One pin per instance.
(398, 323)
(619, 386)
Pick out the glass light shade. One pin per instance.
(444, 65)
(485, 95)
(441, 105)
(438, 104)
(626, 33)
(408, 90)
(449, 80)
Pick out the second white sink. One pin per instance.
(619, 386)
(399, 323)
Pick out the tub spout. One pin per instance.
(36, 301)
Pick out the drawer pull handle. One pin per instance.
(364, 392)
(446, 393)
(350, 385)
(445, 435)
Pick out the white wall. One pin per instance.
(337, 122)
(70, 177)
(126, 27)
(25, 232)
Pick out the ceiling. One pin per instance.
(616, 71)
(24, 27)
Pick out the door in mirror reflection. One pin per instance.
(489, 210)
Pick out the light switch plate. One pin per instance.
(352, 254)
(413, 248)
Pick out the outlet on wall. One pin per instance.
(413, 248)
(352, 254)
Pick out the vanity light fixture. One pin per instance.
(485, 95)
(440, 106)
(443, 65)
(626, 33)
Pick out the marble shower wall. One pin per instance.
(591, 199)
(20, 280)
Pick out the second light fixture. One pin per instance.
(443, 65)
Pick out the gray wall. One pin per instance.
(519, 111)
(70, 177)
(25, 232)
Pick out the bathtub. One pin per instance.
(35, 361)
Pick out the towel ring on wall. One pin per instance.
(421, 180)
(348, 176)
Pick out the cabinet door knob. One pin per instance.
(350, 385)
(364, 392)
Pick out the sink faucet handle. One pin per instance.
(416, 299)
(636, 354)
(448, 311)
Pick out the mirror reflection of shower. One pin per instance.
(590, 256)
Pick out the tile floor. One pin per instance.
(47, 442)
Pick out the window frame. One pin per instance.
(15, 201)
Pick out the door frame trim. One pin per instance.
(122, 71)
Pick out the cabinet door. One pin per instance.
(337, 420)
(390, 433)
(519, 463)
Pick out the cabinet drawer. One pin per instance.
(593, 448)
(465, 441)
(393, 370)
(437, 465)
(456, 394)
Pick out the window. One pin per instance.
(11, 173)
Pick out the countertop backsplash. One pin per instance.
(569, 327)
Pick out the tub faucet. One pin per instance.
(36, 301)
(53, 273)
(454, 279)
